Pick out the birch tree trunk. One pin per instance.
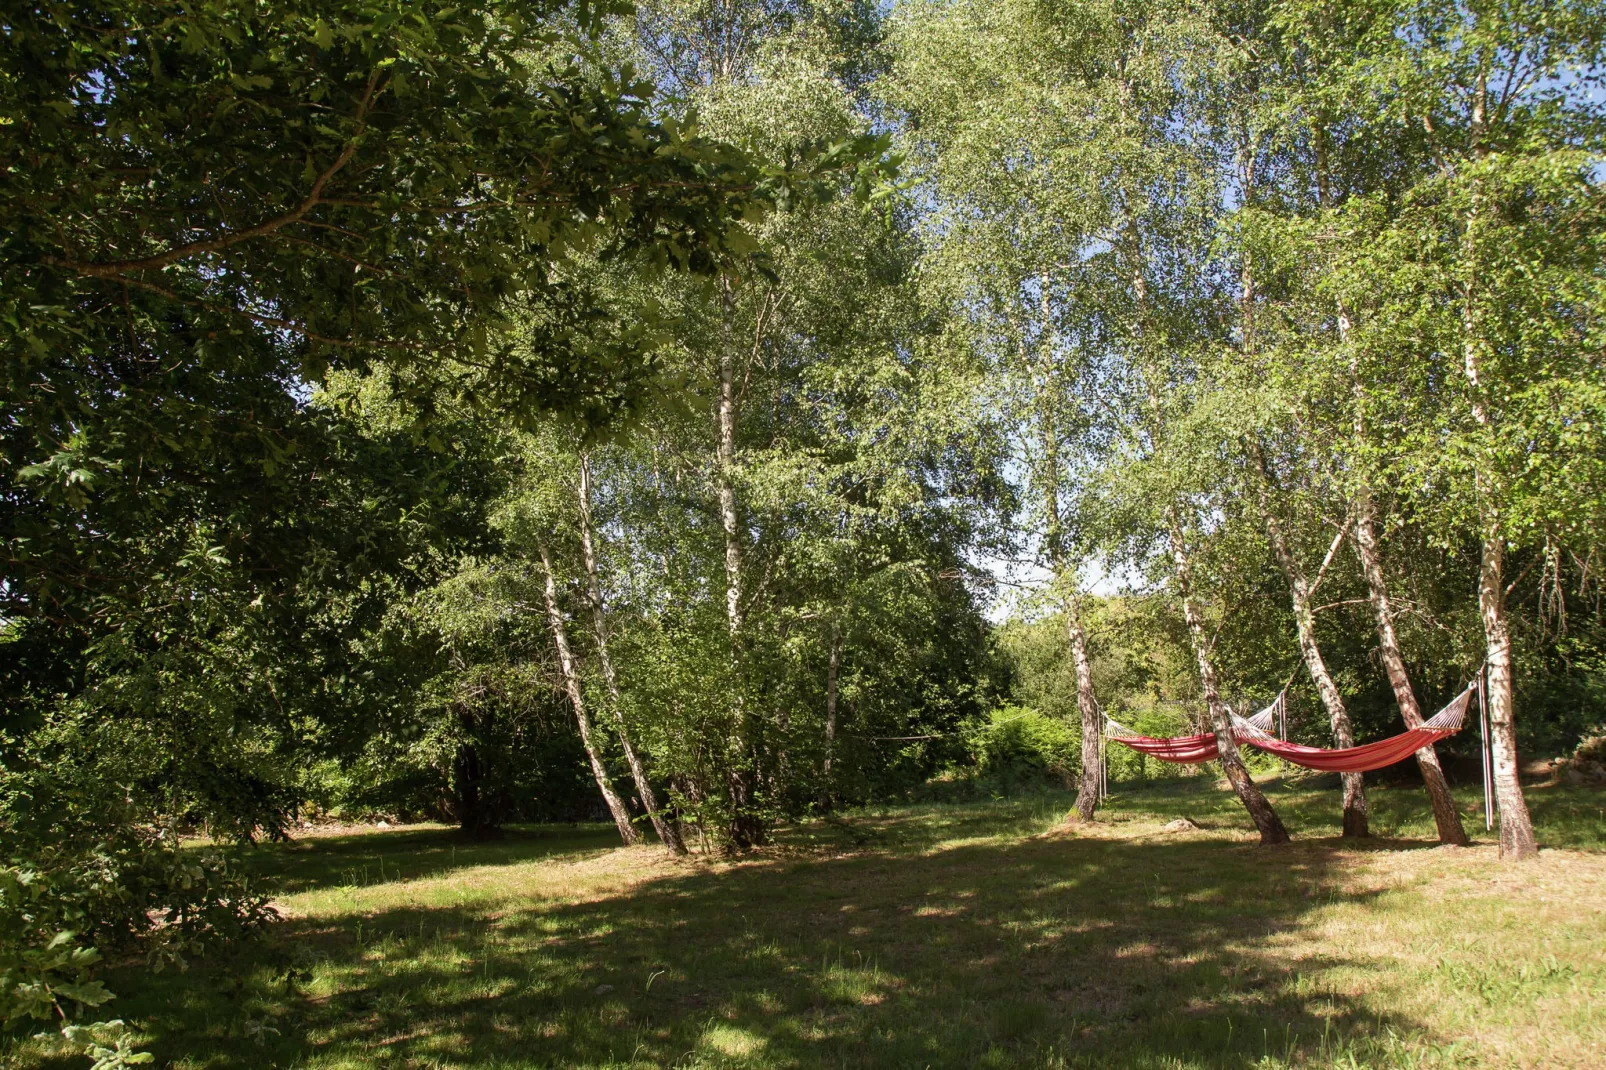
(730, 519)
(745, 830)
(668, 832)
(1445, 816)
(571, 683)
(833, 670)
(1299, 586)
(1516, 827)
(1259, 807)
(1087, 792)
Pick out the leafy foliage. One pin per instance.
(1019, 746)
(414, 410)
(104, 883)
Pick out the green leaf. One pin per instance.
(90, 993)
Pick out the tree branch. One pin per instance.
(1512, 586)
(271, 321)
(1338, 540)
(118, 269)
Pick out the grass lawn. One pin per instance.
(966, 935)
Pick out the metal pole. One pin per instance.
(1104, 762)
(1282, 721)
(1488, 754)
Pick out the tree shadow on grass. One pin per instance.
(1311, 805)
(1063, 950)
(365, 858)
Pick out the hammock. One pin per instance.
(1255, 731)
(1185, 750)
(1396, 748)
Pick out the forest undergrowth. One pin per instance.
(987, 933)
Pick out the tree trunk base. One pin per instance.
(1446, 819)
(1517, 843)
(1355, 823)
(747, 832)
(1272, 830)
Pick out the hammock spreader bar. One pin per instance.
(1190, 750)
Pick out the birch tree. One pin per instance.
(779, 501)
(1493, 262)
(1309, 390)
(994, 133)
(571, 684)
(668, 831)
(1244, 98)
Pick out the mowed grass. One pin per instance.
(969, 935)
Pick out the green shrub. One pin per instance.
(1019, 746)
(127, 888)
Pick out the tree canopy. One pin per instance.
(702, 416)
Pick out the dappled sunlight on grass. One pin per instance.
(983, 934)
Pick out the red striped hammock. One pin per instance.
(1253, 731)
(1183, 750)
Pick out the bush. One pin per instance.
(127, 888)
(1019, 746)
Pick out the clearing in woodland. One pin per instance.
(957, 935)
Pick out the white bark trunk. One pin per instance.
(668, 834)
(1445, 816)
(571, 683)
(1260, 809)
(729, 515)
(745, 829)
(1446, 819)
(833, 669)
(1355, 823)
(1087, 792)
(1516, 827)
